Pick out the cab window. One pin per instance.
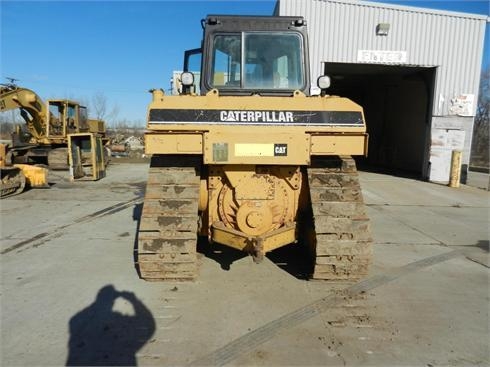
(258, 61)
(226, 67)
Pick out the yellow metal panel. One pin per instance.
(241, 241)
(228, 142)
(225, 236)
(159, 128)
(3, 154)
(296, 103)
(339, 144)
(254, 150)
(173, 143)
(253, 105)
(279, 238)
(86, 156)
(96, 126)
(36, 176)
(242, 147)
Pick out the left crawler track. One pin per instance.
(167, 234)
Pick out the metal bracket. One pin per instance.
(258, 249)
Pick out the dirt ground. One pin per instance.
(70, 293)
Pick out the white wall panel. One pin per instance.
(451, 41)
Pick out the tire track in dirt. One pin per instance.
(44, 237)
(257, 337)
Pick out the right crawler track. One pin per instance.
(339, 233)
(167, 234)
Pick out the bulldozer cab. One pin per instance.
(251, 55)
(66, 117)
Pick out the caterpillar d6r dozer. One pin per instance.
(248, 157)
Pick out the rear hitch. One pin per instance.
(257, 249)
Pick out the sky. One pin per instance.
(121, 49)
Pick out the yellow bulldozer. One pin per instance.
(51, 127)
(251, 155)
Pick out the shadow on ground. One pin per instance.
(137, 211)
(292, 258)
(101, 336)
(484, 245)
(225, 256)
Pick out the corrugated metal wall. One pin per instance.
(453, 42)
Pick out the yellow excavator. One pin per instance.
(50, 126)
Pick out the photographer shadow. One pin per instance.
(101, 336)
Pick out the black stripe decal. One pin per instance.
(256, 117)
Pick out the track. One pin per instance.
(340, 239)
(167, 234)
(12, 182)
(45, 237)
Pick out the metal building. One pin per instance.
(415, 71)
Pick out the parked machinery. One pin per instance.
(49, 127)
(254, 161)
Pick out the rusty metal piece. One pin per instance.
(3, 155)
(455, 174)
(258, 249)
